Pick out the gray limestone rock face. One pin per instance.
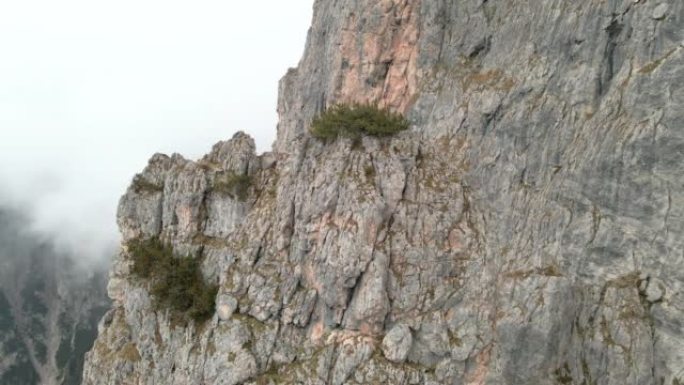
(528, 228)
(660, 11)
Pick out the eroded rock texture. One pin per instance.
(527, 229)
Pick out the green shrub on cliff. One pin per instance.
(355, 120)
(176, 282)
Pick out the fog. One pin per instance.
(89, 90)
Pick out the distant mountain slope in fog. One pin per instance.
(49, 308)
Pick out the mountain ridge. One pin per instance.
(49, 307)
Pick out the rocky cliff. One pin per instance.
(527, 229)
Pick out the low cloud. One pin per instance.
(90, 90)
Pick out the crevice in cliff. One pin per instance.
(481, 49)
(203, 221)
(609, 66)
(596, 218)
(490, 119)
(467, 212)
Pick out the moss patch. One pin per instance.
(369, 171)
(130, 353)
(650, 67)
(546, 271)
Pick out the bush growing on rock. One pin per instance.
(176, 282)
(356, 120)
(147, 255)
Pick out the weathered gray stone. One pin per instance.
(397, 343)
(225, 306)
(660, 11)
(352, 353)
(655, 290)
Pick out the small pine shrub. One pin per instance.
(356, 120)
(232, 184)
(176, 283)
(147, 255)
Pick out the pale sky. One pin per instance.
(90, 89)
